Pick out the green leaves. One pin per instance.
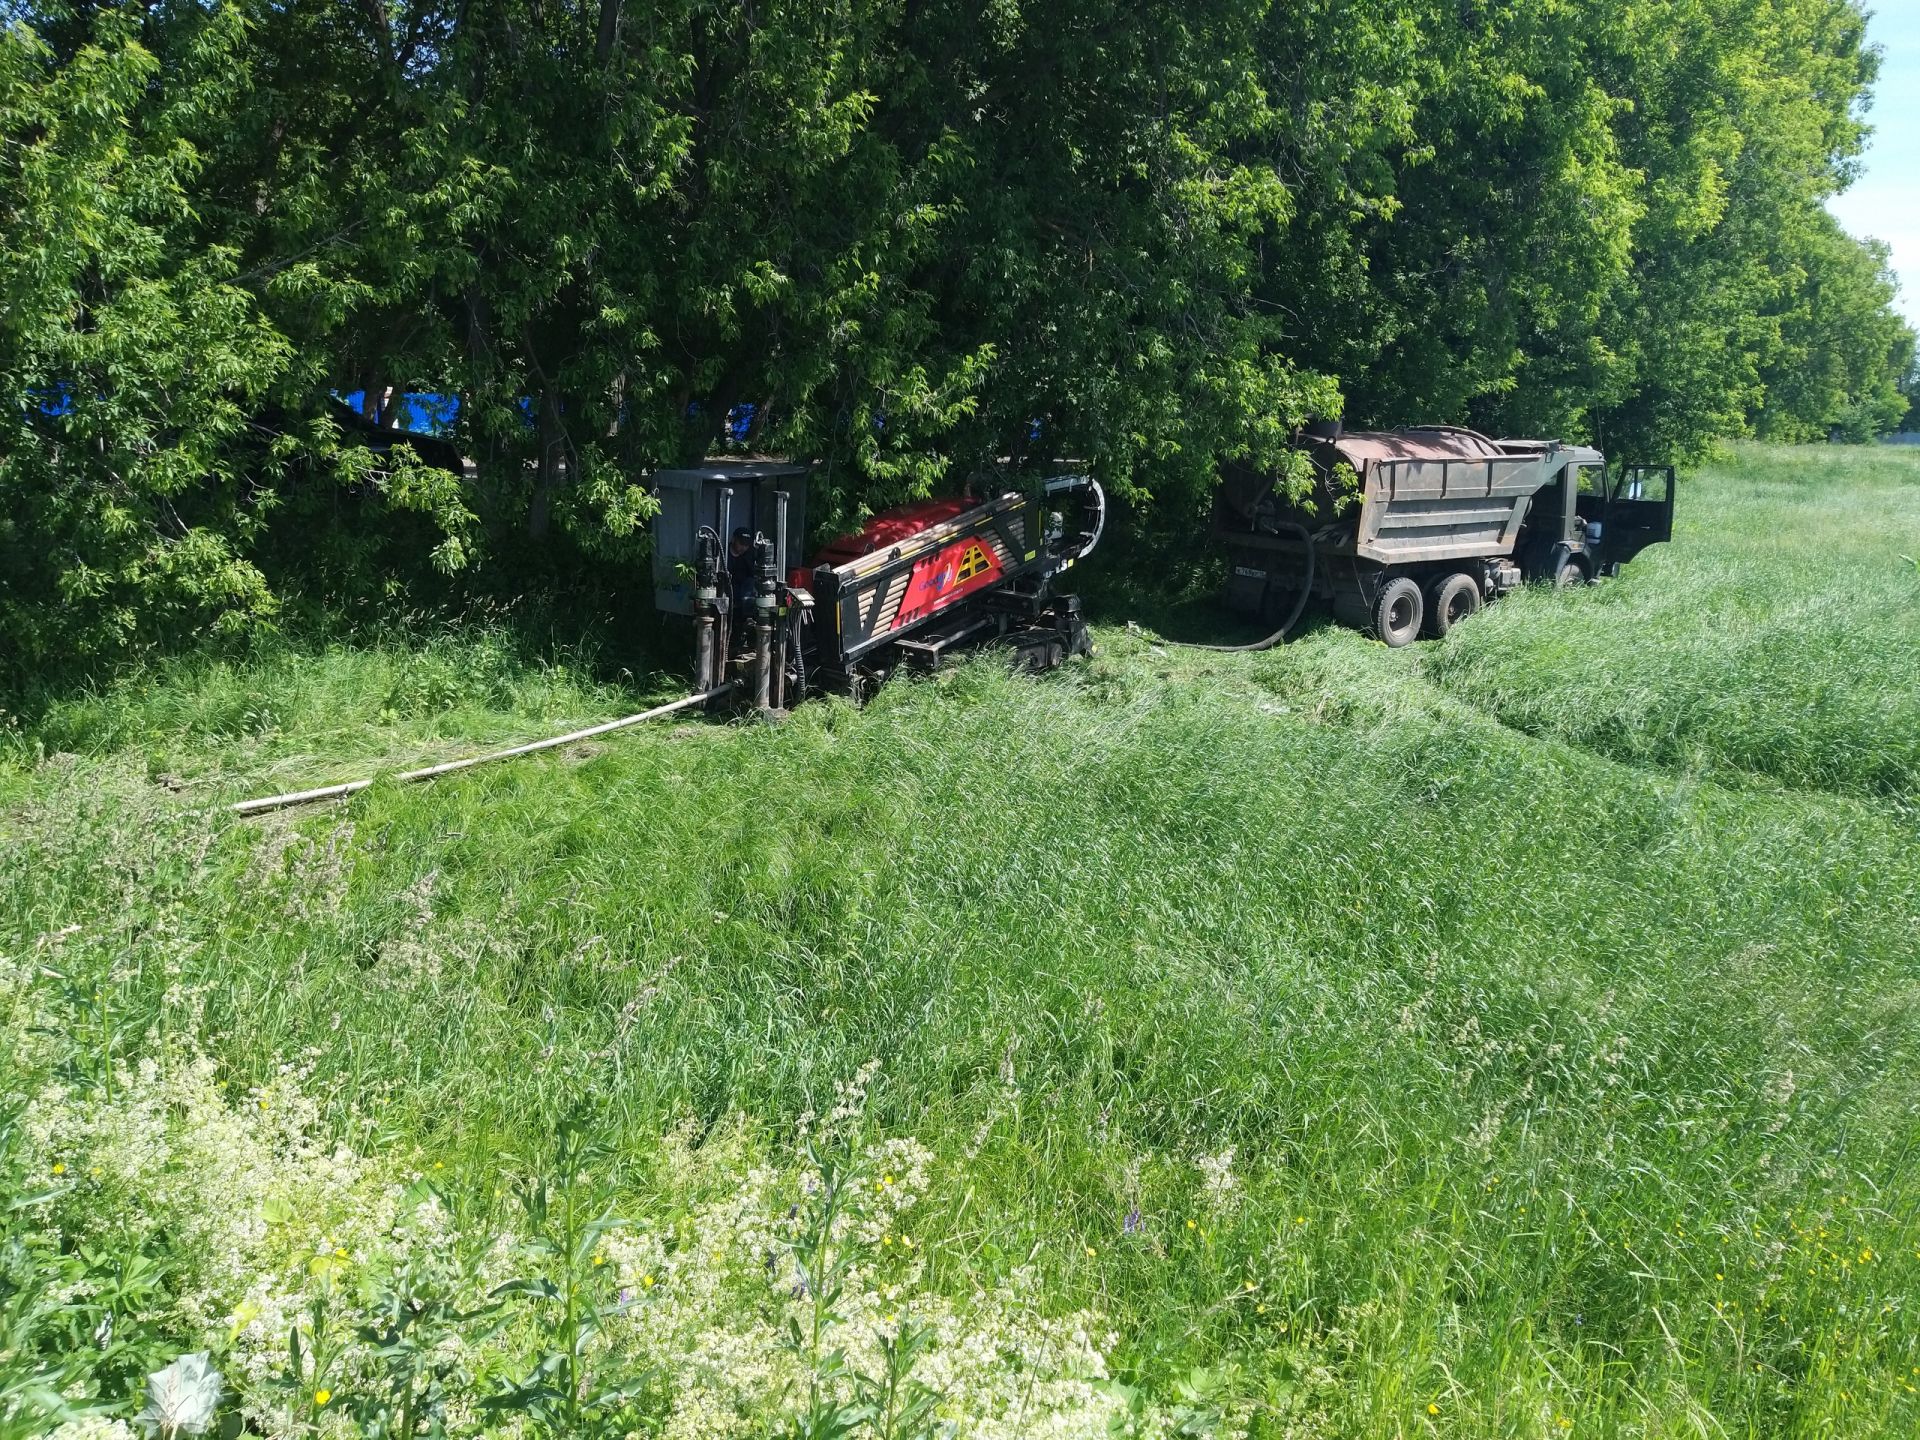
(78, 1324)
(567, 1298)
(140, 361)
(902, 240)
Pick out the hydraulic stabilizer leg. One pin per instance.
(763, 657)
(709, 659)
(782, 621)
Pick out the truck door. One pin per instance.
(1639, 513)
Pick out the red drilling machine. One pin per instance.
(910, 588)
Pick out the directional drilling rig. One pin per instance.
(910, 588)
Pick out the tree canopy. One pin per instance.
(895, 236)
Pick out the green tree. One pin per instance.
(1842, 351)
(157, 407)
(901, 237)
(132, 355)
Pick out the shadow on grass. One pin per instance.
(1201, 621)
(368, 665)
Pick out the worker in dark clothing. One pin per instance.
(743, 584)
(741, 571)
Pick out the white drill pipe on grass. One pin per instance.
(351, 787)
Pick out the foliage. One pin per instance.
(73, 1319)
(1844, 357)
(132, 359)
(899, 237)
(142, 444)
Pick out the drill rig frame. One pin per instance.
(913, 587)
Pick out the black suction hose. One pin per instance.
(1293, 615)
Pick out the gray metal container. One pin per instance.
(727, 495)
(1423, 495)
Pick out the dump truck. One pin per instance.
(1408, 532)
(913, 586)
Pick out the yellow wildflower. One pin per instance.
(320, 1397)
(59, 1168)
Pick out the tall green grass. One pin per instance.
(1511, 1037)
(1773, 643)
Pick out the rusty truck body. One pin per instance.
(1408, 532)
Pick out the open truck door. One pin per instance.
(1639, 513)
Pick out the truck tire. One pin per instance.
(1397, 612)
(1453, 598)
(1570, 573)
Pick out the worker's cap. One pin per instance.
(743, 535)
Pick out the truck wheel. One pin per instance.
(1452, 600)
(1397, 612)
(1571, 572)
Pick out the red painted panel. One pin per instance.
(951, 573)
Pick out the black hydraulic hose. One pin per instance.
(1293, 615)
(797, 642)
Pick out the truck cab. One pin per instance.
(1615, 514)
(1553, 543)
(1638, 512)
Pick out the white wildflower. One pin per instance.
(181, 1399)
(1217, 1180)
(850, 1097)
(269, 1214)
(93, 1427)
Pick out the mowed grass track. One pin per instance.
(1519, 1036)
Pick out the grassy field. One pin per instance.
(1515, 1036)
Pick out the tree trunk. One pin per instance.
(547, 476)
(609, 32)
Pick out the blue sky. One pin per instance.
(1885, 202)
